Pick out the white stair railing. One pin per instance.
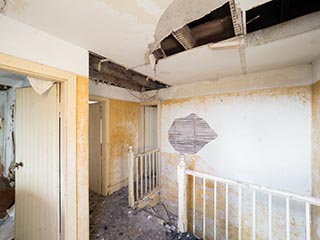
(184, 172)
(144, 175)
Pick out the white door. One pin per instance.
(150, 128)
(95, 147)
(37, 147)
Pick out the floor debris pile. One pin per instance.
(111, 218)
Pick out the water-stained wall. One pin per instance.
(264, 137)
(316, 157)
(124, 132)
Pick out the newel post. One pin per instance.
(130, 177)
(182, 201)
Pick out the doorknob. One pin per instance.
(17, 165)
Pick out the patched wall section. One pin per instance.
(264, 138)
(316, 157)
(124, 132)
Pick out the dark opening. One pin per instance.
(213, 27)
(278, 11)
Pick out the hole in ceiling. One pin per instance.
(226, 22)
(278, 11)
(213, 27)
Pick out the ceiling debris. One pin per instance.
(105, 71)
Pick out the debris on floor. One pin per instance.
(111, 218)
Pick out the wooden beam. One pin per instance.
(107, 78)
(122, 74)
(184, 37)
(213, 28)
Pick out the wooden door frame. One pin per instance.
(105, 178)
(146, 104)
(74, 136)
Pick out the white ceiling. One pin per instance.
(122, 30)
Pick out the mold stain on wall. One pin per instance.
(124, 131)
(273, 93)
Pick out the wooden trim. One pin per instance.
(69, 158)
(25, 67)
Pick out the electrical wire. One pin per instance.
(96, 80)
(143, 99)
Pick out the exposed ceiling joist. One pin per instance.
(109, 72)
(216, 30)
(109, 79)
(184, 37)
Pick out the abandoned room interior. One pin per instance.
(160, 119)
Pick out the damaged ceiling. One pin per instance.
(106, 71)
(178, 32)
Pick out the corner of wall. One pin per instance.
(316, 70)
(316, 155)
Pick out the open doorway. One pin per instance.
(99, 145)
(30, 160)
(149, 127)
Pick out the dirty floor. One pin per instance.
(110, 218)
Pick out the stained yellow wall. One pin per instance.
(124, 132)
(82, 112)
(316, 157)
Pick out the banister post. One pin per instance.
(182, 195)
(130, 177)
